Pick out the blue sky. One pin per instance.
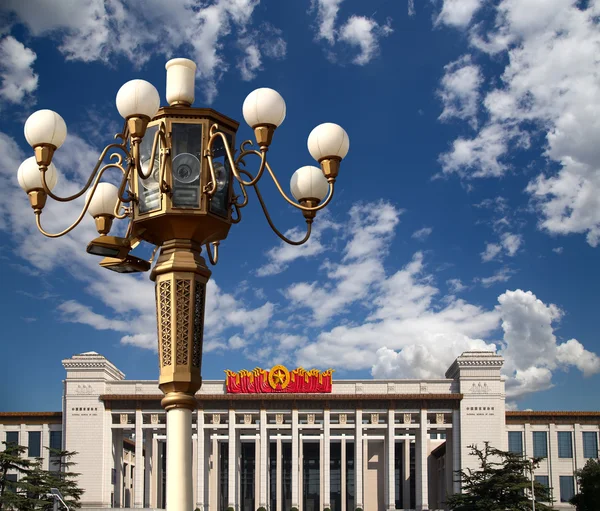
(467, 213)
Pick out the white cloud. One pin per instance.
(558, 250)
(511, 243)
(492, 250)
(95, 30)
(327, 11)
(411, 7)
(459, 90)
(358, 31)
(370, 229)
(422, 234)
(547, 85)
(365, 33)
(267, 41)
(455, 286)
(502, 275)
(16, 70)
(458, 13)
(281, 256)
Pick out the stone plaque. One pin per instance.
(310, 418)
(439, 418)
(123, 419)
(407, 418)
(154, 418)
(279, 418)
(374, 418)
(216, 418)
(247, 418)
(343, 418)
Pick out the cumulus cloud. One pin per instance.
(548, 86)
(16, 70)
(458, 13)
(357, 31)
(501, 275)
(422, 234)
(364, 33)
(509, 245)
(459, 90)
(279, 257)
(95, 30)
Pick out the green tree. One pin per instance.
(36, 485)
(588, 477)
(501, 483)
(12, 460)
(61, 477)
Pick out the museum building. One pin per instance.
(284, 438)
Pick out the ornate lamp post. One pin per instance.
(178, 173)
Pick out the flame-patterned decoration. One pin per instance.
(278, 380)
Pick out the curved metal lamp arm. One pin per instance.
(272, 225)
(213, 257)
(113, 156)
(280, 189)
(83, 211)
(232, 162)
(160, 134)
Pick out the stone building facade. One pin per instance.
(375, 444)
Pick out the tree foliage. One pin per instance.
(501, 483)
(30, 493)
(588, 498)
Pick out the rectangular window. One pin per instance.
(56, 440)
(590, 444)
(433, 436)
(540, 444)
(543, 480)
(35, 444)
(12, 437)
(567, 488)
(11, 483)
(565, 444)
(515, 442)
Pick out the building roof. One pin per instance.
(30, 417)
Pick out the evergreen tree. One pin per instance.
(36, 485)
(502, 483)
(12, 459)
(62, 478)
(588, 498)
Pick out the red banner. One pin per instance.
(278, 380)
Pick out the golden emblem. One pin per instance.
(279, 375)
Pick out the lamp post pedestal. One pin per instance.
(181, 276)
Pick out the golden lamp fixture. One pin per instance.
(181, 188)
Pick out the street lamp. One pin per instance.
(177, 179)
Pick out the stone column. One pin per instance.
(278, 475)
(295, 460)
(343, 473)
(45, 442)
(118, 465)
(264, 449)
(422, 486)
(138, 483)
(201, 460)
(456, 449)
(232, 497)
(553, 475)
(326, 458)
(391, 458)
(578, 459)
(358, 460)
(155, 471)
(213, 485)
(406, 474)
(148, 468)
